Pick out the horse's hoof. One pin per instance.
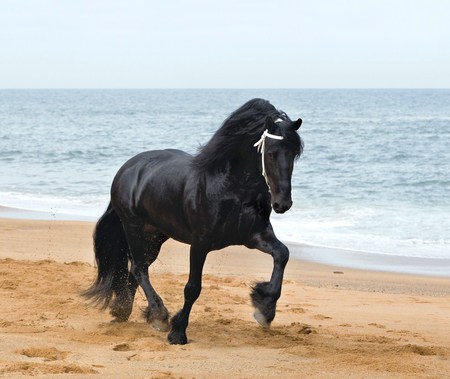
(120, 315)
(160, 326)
(260, 319)
(177, 338)
(118, 320)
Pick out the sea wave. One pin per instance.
(88, 207)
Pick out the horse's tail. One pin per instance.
(111, 254)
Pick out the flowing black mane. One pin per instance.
(241, 130)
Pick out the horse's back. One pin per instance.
(152, 163)
(150, 186)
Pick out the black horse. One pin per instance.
(222, 196)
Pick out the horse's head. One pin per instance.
(280, 145)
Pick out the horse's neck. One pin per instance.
(246, 172)
(242, 172)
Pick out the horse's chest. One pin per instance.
(239, 221)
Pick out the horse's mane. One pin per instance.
(244, 127)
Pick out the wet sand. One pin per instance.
(331, 321)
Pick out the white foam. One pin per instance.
(89, 207)
(350, 234)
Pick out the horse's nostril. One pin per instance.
(281, 207)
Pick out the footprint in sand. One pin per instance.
(297, 310)
(33, 369)
(122, 347)
(8, 285)
(48, 353)
(321, 317)
(379, 326)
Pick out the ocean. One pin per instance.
(374, 178)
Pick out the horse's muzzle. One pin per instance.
(281, 207)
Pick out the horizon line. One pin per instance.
(224, 88)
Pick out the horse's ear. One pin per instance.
(296, 124)
(270, 125)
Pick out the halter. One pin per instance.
(261, 148)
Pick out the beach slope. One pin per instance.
(331, 322)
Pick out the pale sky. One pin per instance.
(224, 44)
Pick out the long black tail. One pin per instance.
(111, 255)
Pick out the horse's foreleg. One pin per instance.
(192, 291)
(266, 294)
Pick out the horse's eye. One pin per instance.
(271, 155)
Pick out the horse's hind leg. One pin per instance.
(122, 306)
(144, 249)
(124, 285)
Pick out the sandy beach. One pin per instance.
(331, 322)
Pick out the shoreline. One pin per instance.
(8, 212)
(71, 241)
(378, 262)
(328, 256)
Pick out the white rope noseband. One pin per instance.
(261, 148)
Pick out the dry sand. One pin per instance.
(331, 322)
